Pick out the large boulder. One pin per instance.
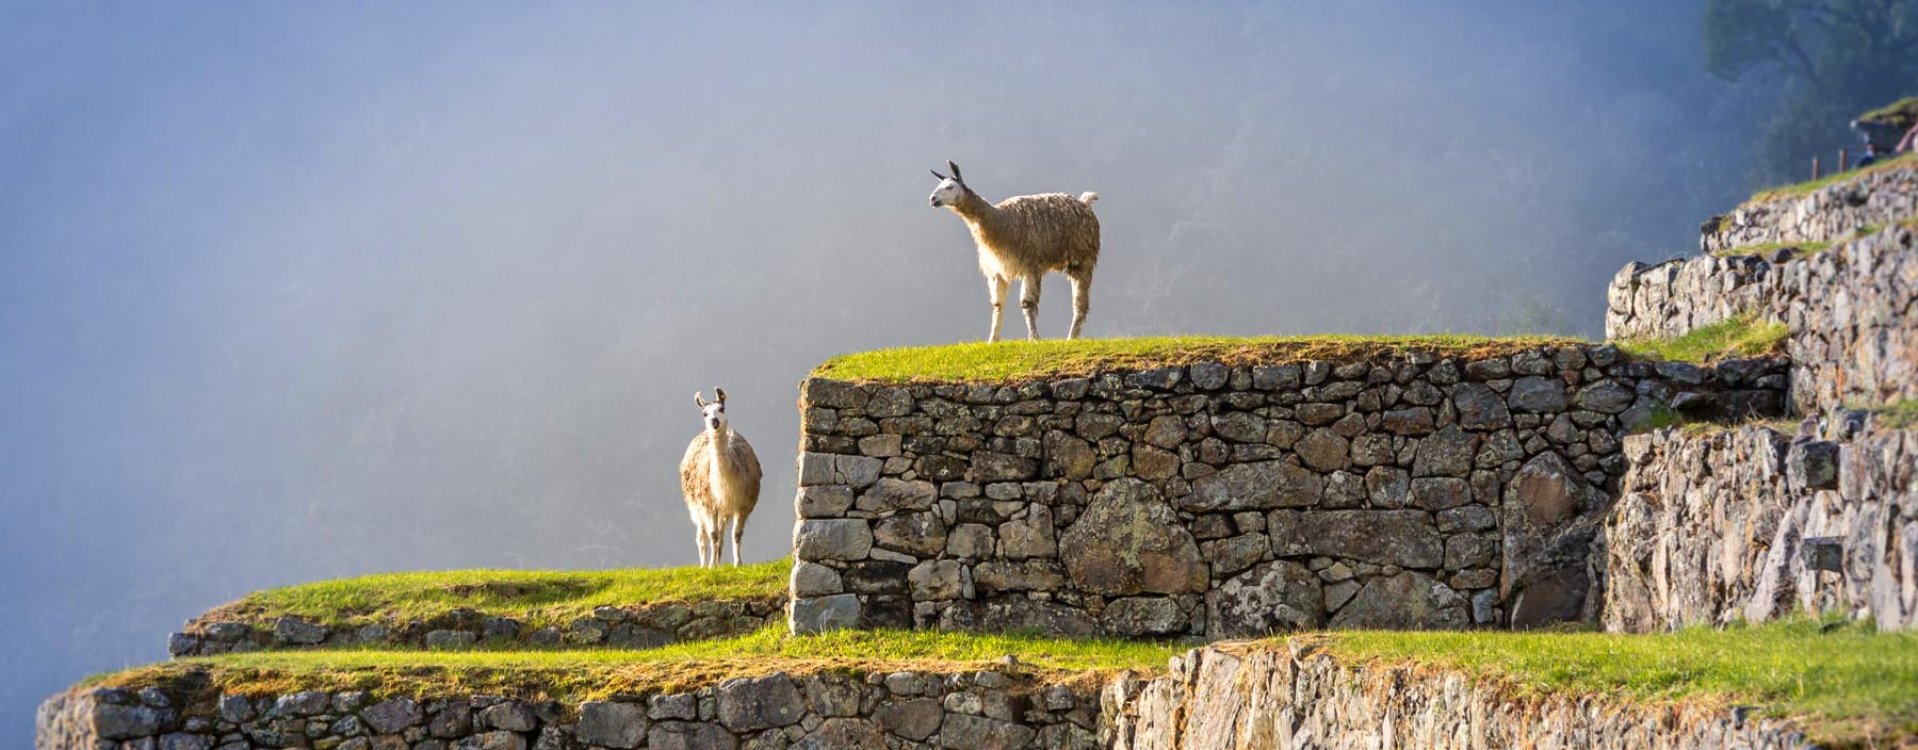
(1128, 541)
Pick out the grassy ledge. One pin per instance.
(537, 598)
(1804, 249)
(1901, 161)
(1743, 336)
(1846, 683)
(594, 674)
(1008, 361)
(1901, 113)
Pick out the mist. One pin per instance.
(311, 290)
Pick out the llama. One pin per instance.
(1023, 238)
(720, 478)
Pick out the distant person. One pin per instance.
(1870, 156)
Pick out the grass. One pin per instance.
(1900, 113)
(1805, 249)
(1899, 161)
(1015, 360)
(1896, 415)
(536, 598)
(1743, 336)
(1846, 683)
(595, 674)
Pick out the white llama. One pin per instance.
(720, 478)
(1024, 237)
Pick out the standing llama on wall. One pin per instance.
(1024, 238)
(720, 477)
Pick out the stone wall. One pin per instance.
(1282, 699)
(1753, 524)
(633, 626)
(1415, 491)
(1849, 310)
(1834, 212)
(986, 710)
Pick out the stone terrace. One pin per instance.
(1413, 490)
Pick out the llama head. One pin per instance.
(714, 411)
(950, 189)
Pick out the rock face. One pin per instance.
(1412, 490)
(1752, 524)
(1846, 309)
(638, 626)
(1271, 697)
(875, 711)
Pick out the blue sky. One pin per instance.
(302, 290)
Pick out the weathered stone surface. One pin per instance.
(824, 613)
(888, 494)
(1031, 536)
(689, 735)
(298, 632)
(1130, 542)
(392, 715)
(1275, 597)
(614, 725)
(917, 534)
(1405, 538)
(831, 539)
(1537, 395)
(962, 732)
(1143, 616)
(748, 704)
(1267, 484)
(1407, 601)
(813, 579)
(915, 719)
(1479, 407)
(1324, 450)
(1447, 452)
(1269, 697)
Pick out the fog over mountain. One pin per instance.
(291, 291)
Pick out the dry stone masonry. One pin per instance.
(1276, 698)
(985, 710)
(1834, 212)
(1754, 524)
(1414, 491)
(640, 626)
(1847, 311)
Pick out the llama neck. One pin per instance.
(984, 218)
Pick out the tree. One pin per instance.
(1827, 61)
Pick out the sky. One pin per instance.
(293, 291)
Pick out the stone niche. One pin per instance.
(1408, 490)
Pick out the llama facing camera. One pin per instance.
(1025, 237)
(720, 478)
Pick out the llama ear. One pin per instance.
(955, 171)
(721, 393)
(935, 173)
(699, 400)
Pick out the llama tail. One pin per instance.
(1088, 197)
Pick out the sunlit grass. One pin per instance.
(1743, 336)
(536, 598)
(1844, 681)
(1900, 161)
(1014, 360)
(591, 674)
(1805, 249)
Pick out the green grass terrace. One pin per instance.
(536, 598)
(1846, 684)
(1016, 360)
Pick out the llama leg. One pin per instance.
(1029, 304)
(739, 530)
(718, 534)
(699, 538)
(996, 286)
(1081, 299)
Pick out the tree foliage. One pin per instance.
(1828, 59)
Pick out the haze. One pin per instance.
(293, 291)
